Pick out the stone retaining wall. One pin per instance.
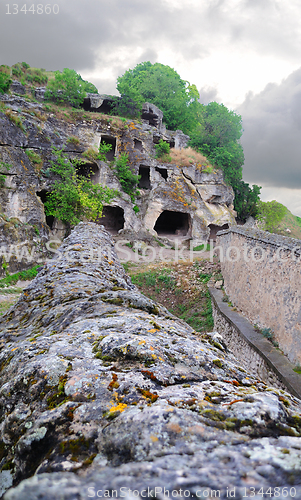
(262, 279)
(255, 353)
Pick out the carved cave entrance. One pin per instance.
(108, 139)
(138, 145)
(88, 170)
(43, 196)
(105, 108)
(173, 223)
(214, 229)
(112, 219)
(144, 182)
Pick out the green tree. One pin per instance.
(246, 199)
(67, 87)
(162, 86)
(74, 197)
(217, 137)
(87, 86)
(271, 214)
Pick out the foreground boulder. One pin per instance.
(105, 394)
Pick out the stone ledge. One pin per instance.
(275, 361)
(264, 237)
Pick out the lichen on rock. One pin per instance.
(102, 388)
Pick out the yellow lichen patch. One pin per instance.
(154, 438)
(142, 342)
(153, 330)
(120, 407)
(174, 428)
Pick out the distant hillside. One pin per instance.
(291, 222)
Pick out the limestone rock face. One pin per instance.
(101, 388)
(172, 199)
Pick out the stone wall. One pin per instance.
(262, 278)
(253, 351)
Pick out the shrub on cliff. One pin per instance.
(5, 81)
(74, 197)
(68, 87)
(127, 179)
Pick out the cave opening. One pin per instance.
(105, 108)
(43, 197)
(138, 145)
(88, 170)
(214, 229)
(163, 172)
(144, 182)
(112, 219)
(172, 223)
(108, 139)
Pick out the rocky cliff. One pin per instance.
(105, 394)
(174, 199)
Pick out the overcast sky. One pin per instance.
(242, 53)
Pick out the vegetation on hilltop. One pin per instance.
(68, 87)
(64, 87)
(274, 217)
(215, 131)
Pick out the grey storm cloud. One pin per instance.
(272, 134)
(117, 34)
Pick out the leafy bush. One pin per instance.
(162, 149)
(5, 82)
(127, 179)
(68, 87)
(16, 71)
(73, 197)
(103, 149)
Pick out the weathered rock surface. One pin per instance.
(29, 130)
(101, 388)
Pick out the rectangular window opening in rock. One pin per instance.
(138, 145)
(109, 139)
(89, 171)
(144, 182)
